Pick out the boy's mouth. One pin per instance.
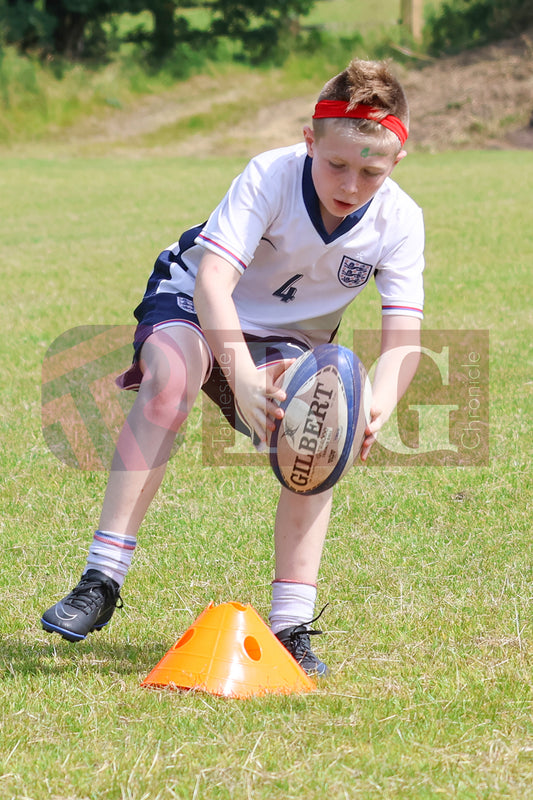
(346, 208)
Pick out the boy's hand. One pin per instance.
(397, 364)
(258, 398)
(377, 420)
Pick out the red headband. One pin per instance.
(326, 109)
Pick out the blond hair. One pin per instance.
(370, 83)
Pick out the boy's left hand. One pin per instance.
(377, 420)
(397, 364)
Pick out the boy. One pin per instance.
(293, 242)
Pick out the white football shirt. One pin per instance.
(296, 279)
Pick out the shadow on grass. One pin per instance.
(26, 655)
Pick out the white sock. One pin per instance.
(292, 604)
(111, 553)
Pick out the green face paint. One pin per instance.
(366, 153)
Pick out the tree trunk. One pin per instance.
(69, 30)
(163, 36)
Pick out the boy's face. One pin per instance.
(348, 169)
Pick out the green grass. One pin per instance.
(344, 16)
(347, 16)
(428, 571)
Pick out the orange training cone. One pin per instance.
(229, 651)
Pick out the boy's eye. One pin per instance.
(336, 164)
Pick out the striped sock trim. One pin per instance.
(111, 553)
(115, 540)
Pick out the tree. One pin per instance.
(459, 24)
(259, 25)
(57, 26)
(65, 27)
(163, 37)
(24, 23)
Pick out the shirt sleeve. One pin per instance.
(399, 273)
(236, 226)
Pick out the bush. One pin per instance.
(459, 24)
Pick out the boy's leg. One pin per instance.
(301, 527)
(174, 363)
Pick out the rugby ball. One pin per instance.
(322, 430)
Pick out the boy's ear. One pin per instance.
(309, 139)
(400, 156)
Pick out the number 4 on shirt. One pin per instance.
(287, 291)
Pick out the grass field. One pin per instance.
(427, 570)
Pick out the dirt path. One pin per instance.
(483, 98)
(480, 99)
(476, 100)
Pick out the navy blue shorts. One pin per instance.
(165, 309)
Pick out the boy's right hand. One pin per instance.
(257, 398)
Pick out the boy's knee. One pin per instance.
(166, 398)
(164, 392)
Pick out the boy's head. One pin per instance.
(359, 128)
(367, 87)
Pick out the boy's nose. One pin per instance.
(349, 184)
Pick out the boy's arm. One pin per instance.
(254, 389)
(396, 367)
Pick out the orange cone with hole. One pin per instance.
(229, 651)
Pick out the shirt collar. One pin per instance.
(312, 204)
